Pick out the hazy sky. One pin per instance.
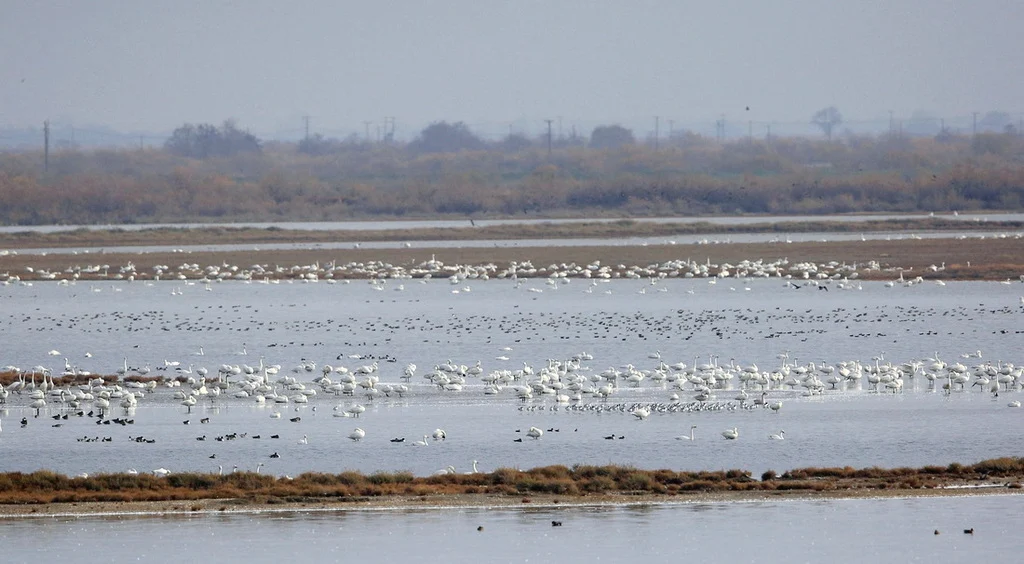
(154, 64)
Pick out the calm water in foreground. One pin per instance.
(877, 530)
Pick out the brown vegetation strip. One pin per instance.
(576, 484)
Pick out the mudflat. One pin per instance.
(939, 258)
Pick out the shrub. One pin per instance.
(505, 476)
(636, 481)
(391, 478)
(999, 466)
(597, 484)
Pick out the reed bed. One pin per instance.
(43, 486)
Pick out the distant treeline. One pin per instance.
(223, 174)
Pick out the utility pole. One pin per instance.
(768, 135)
(750, 131)
(46, 146)
(366, 125)
(671, 126)
(306, 120)
(890, 123)
(389, 129)
(560, 127)
(549, 136)
(974, 124)
(657, 125)
(142, 143)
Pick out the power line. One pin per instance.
(549, 136)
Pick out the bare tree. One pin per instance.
(827, 119)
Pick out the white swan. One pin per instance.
(424, 442)
(731, 434)
(161, 472)
(781, 436)
(356, 435)
(687, 437)
(304, 440)
(641, 413)
(439, 435)
(474, 470)
(534, 433)
(448, 470)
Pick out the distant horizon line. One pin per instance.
(734, 128)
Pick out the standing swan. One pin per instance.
(687, 437)
(534, 433)
(731, 434)
(357, 434)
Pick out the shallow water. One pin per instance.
(434, 224)
(882, 530)
(354, 324)
(427, 324)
